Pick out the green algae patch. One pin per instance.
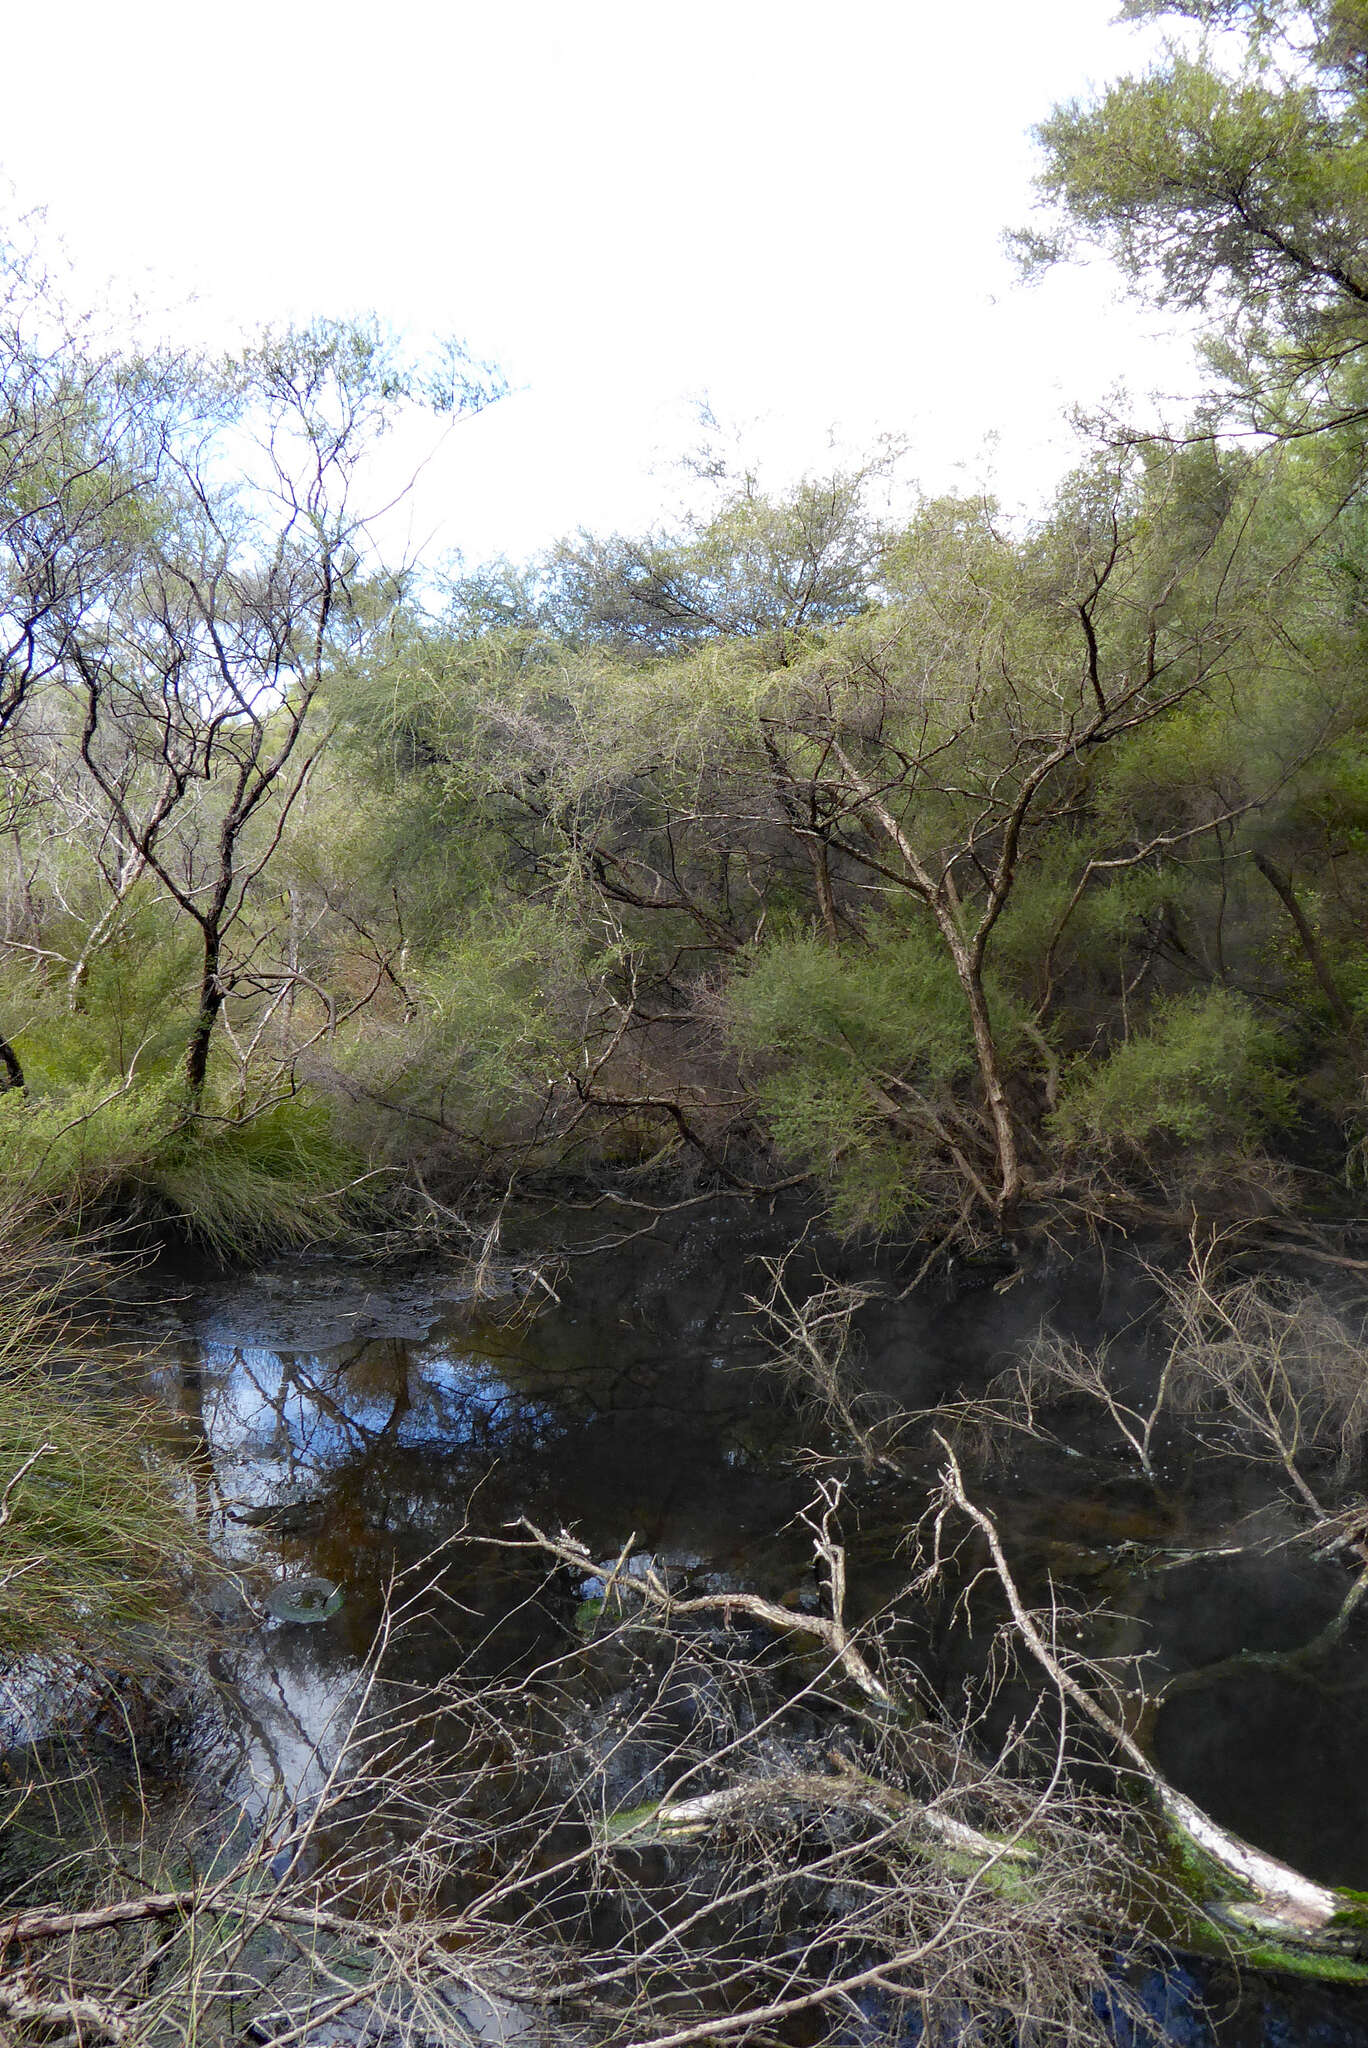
(1195, 1870)
(588, 1615)
(1012, 1876)
(631, 1821)
(1353, 1913)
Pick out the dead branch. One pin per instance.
(811, 1343)
(654, 1594)
(1301, 1909)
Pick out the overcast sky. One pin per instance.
(793, 209)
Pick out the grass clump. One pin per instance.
(278, 1179)
(94, 1556)
(88, 1550)
(236, 1187)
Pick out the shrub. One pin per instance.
(865, 1051)
(71, 1146)
(1203, 1072)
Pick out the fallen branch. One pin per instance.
(1294, 1907)
(51, 1923)
(845, 1787)
(650, 1588)
(88, 2016)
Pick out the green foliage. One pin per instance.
(93, 1546)
(280, 1178)
(131, 1013)
(891, 1006)
(492, 996)
(1234, 187)
(498, 1014)
(853, 1041)
(74, 1146)
(751, 567)
(827, 1121)
(1205, 1072)
(94, 1554)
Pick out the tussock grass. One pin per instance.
(94, 1556)
(279, 1179)
(90, 1547)
(237, 1187)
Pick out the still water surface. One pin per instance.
(341, 1422)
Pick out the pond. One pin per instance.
(340, 1423)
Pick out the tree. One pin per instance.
(927, 866)
(951, 742)
(740, 563)
(1237, 189)
(200, 687)
(80, 448)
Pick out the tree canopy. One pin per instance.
(947, 865)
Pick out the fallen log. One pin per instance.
(673, 1819)
(1270, 1898)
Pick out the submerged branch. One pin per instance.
(654, 1594)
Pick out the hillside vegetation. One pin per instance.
(946, 865)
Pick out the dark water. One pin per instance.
(342, 1422)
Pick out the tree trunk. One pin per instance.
(1320, 966)
(968, 967)
(943, 903)
(990, 1073)
(826, 901)
(210, 1003)
(1284, 1904)
(12, 1071)
(102, 930)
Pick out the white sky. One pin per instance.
(794, 208)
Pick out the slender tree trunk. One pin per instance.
(826, 900)
(1010, 1181)
(130, 873)
(13, 1073)
(32, 923)
(967, 959)
(1281, 886)
(814, 846)
(969, 967)
(210, 1003)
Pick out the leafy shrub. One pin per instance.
(1205, 1071)
(498, 1011)
(70, 1147)
(893, 1005)
(839, 1030)
(131, 1014)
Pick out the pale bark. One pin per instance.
(651, 1590)
(1293, 1907)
